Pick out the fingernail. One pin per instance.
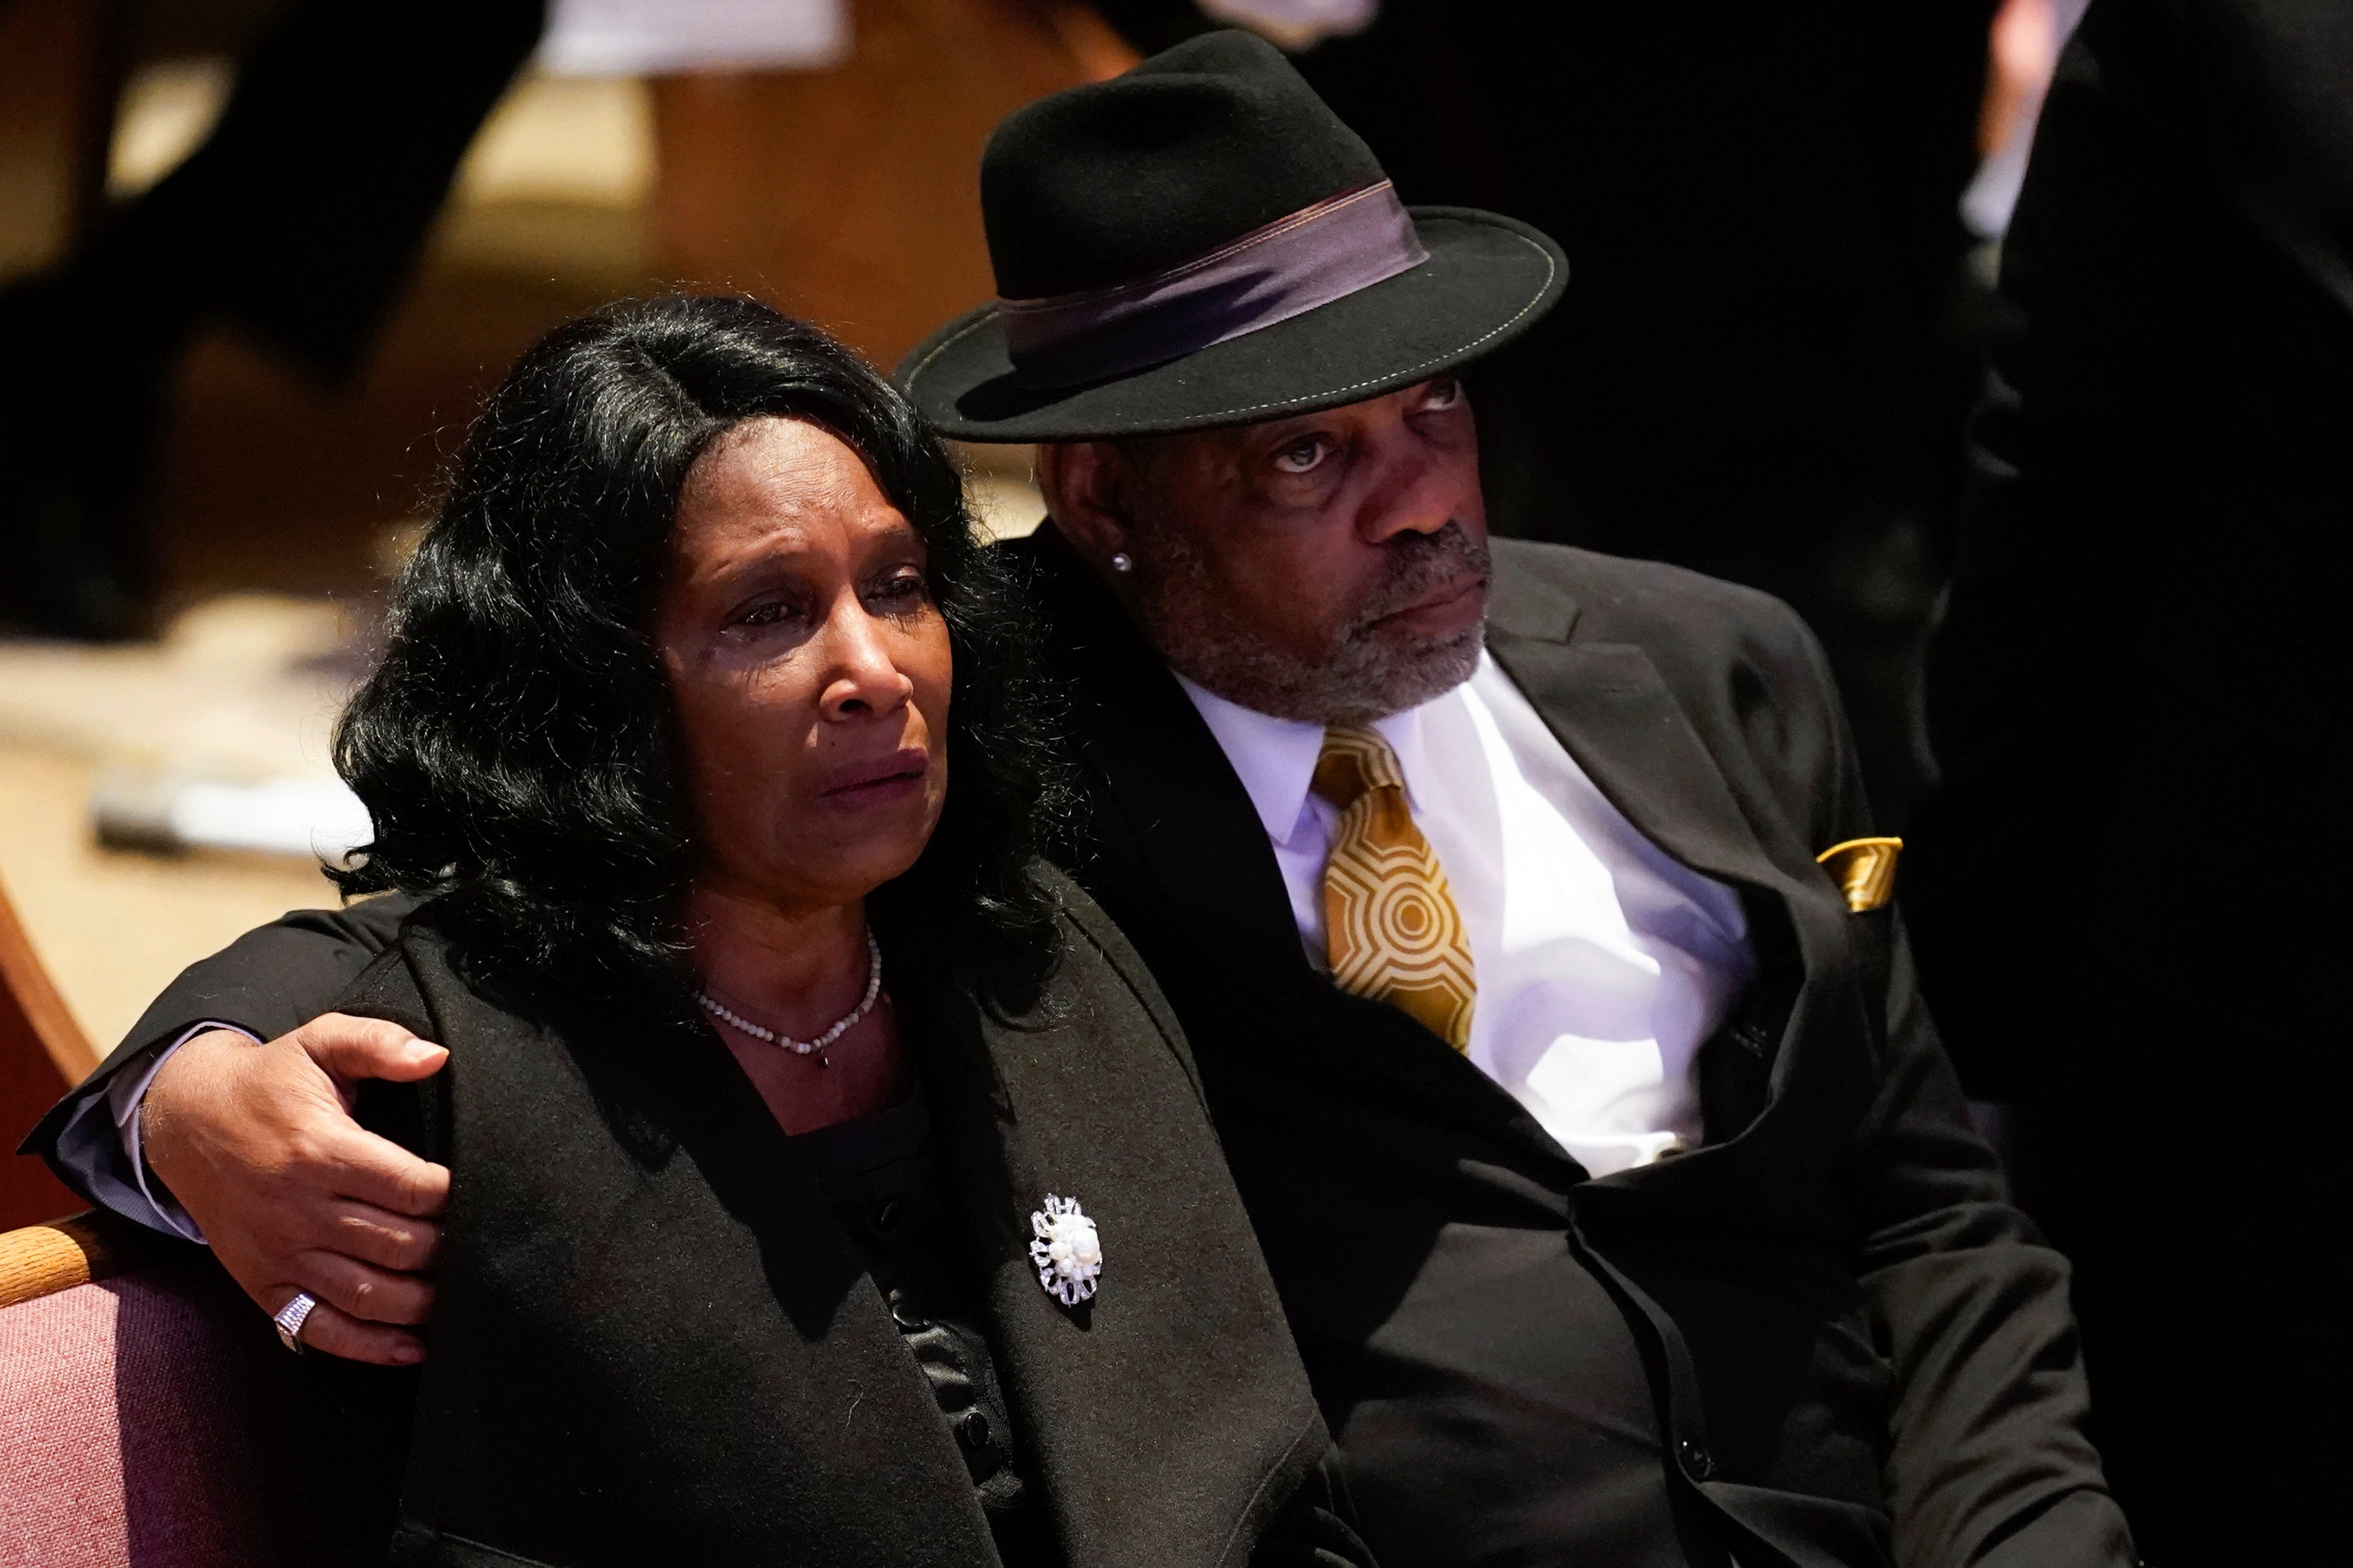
(406, 1356)
(422, 1052)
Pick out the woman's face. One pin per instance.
(809, 667)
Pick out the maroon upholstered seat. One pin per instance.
(133, 1412)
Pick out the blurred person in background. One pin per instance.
(1520, 904)
(2130, 890)
(1766, 368)
(296, 222)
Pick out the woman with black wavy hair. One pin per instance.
(828, 1181)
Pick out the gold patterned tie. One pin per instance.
(1391, 925)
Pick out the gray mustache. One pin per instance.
(1419, 563)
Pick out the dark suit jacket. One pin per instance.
(653, 1342)
(1854, 1344)
(2129, 892)
(1824, 1337)
(2147, 650)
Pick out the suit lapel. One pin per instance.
(1612, 712)
(1607, 705)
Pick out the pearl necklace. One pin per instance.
(720, 1010)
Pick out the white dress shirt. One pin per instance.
(1602, 964)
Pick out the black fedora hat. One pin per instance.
(1201, 242)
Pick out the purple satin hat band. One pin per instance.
(1290, 267)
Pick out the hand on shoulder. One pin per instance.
(257, 1143)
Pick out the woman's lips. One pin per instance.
(877, 784)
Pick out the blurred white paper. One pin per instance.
(1296, 25)
(304, 816)
(660, 38)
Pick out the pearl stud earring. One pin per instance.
(1121, 560)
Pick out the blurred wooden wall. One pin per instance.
(42, 1054)
(851, 196)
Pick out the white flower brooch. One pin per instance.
(1067, 1251)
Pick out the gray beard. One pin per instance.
(1365, 677)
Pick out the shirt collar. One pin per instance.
(1275, 758)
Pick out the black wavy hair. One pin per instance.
(516, 747)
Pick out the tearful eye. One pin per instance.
(902, 588)
(769, 611)
(1303, 457)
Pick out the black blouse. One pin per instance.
(881, 1175)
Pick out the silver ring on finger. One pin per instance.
(290, 1318)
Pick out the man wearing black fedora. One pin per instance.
(1520, 904)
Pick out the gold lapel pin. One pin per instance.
(1864, 869)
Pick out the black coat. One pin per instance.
(2130, 893)
(653, 1342)
(1823, 1338)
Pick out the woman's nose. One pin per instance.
(865, 680)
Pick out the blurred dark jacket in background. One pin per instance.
(296, 222)
(1762, 368)
(2130, 896)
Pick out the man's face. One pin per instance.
(1330, 567)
